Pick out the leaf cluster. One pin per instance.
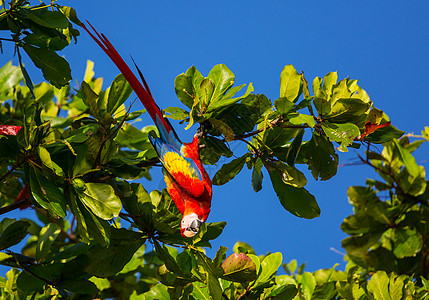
(41, 31)
(100, 234)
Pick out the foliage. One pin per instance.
(100, 234)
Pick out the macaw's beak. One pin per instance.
(193, 229)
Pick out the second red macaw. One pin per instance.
(187, 181)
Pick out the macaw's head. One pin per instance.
(190, 225)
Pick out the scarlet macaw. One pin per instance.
(187, 181)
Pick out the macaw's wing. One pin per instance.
(174, 191)
(182, 169)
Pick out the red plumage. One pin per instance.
(187, 181)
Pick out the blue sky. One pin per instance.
(383, 44)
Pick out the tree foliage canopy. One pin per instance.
(75, 157)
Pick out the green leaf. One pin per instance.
(90, 98)
(54, 43)
(71, 14)
(298, 201)
(293, 150)
(12, 232)
(47, 18)
(100, 198)
(342, 133)
(136, 199)
(175, 113)
(230, 170)
(290, 83)
(208, 232)
(10, 76)
(322, 105)
(285, 292)
(184, 261)
(283, 105)
(269, 267)
(257, 175)
(156, 292)
(55, 69)
(119, 91)
(47, 237)
(407, 242)
(222, 78)
(220, 256)
(238, 267)
(168, 259)
(308, 283)
(299, 119)
(329, 81)
(396, 284)
(45, 157)
(223, 128)
(29, 283)
(105, 262)
(378, 285)
(325, 291)
(407, 159)
(321, 157)
(385, 134)
(227, 99)
(200, 291)
(46, 193)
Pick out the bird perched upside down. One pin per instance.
(187, 181)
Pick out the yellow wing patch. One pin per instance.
(176, 163)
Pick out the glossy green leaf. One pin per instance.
(299, 119)
(407, 242)
(308, 283)
(55, 69)
(47, 237)
(90, 98)
(29, 283)
(47, 18)
(341, 133)
(298, 201)
(290, 83)
(156, 292)
(105, 262)
(378, 285)
(100, 198)
(269, 267)
(47, 161)
(293, 150)
(71, 14)
(220, 256)
(119, 91)
(407, 159)
(46, 193)
(385, 134)
(257, 175)
(200, 291)
(329, 80)
(283, 105)
(322, 106)
(223, 128)
(12, 232)
(176, 113)
(285, 292)
(222, 78)
(229, 171)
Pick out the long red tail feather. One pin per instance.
(142, 91)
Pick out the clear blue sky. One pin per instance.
(383, 44)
